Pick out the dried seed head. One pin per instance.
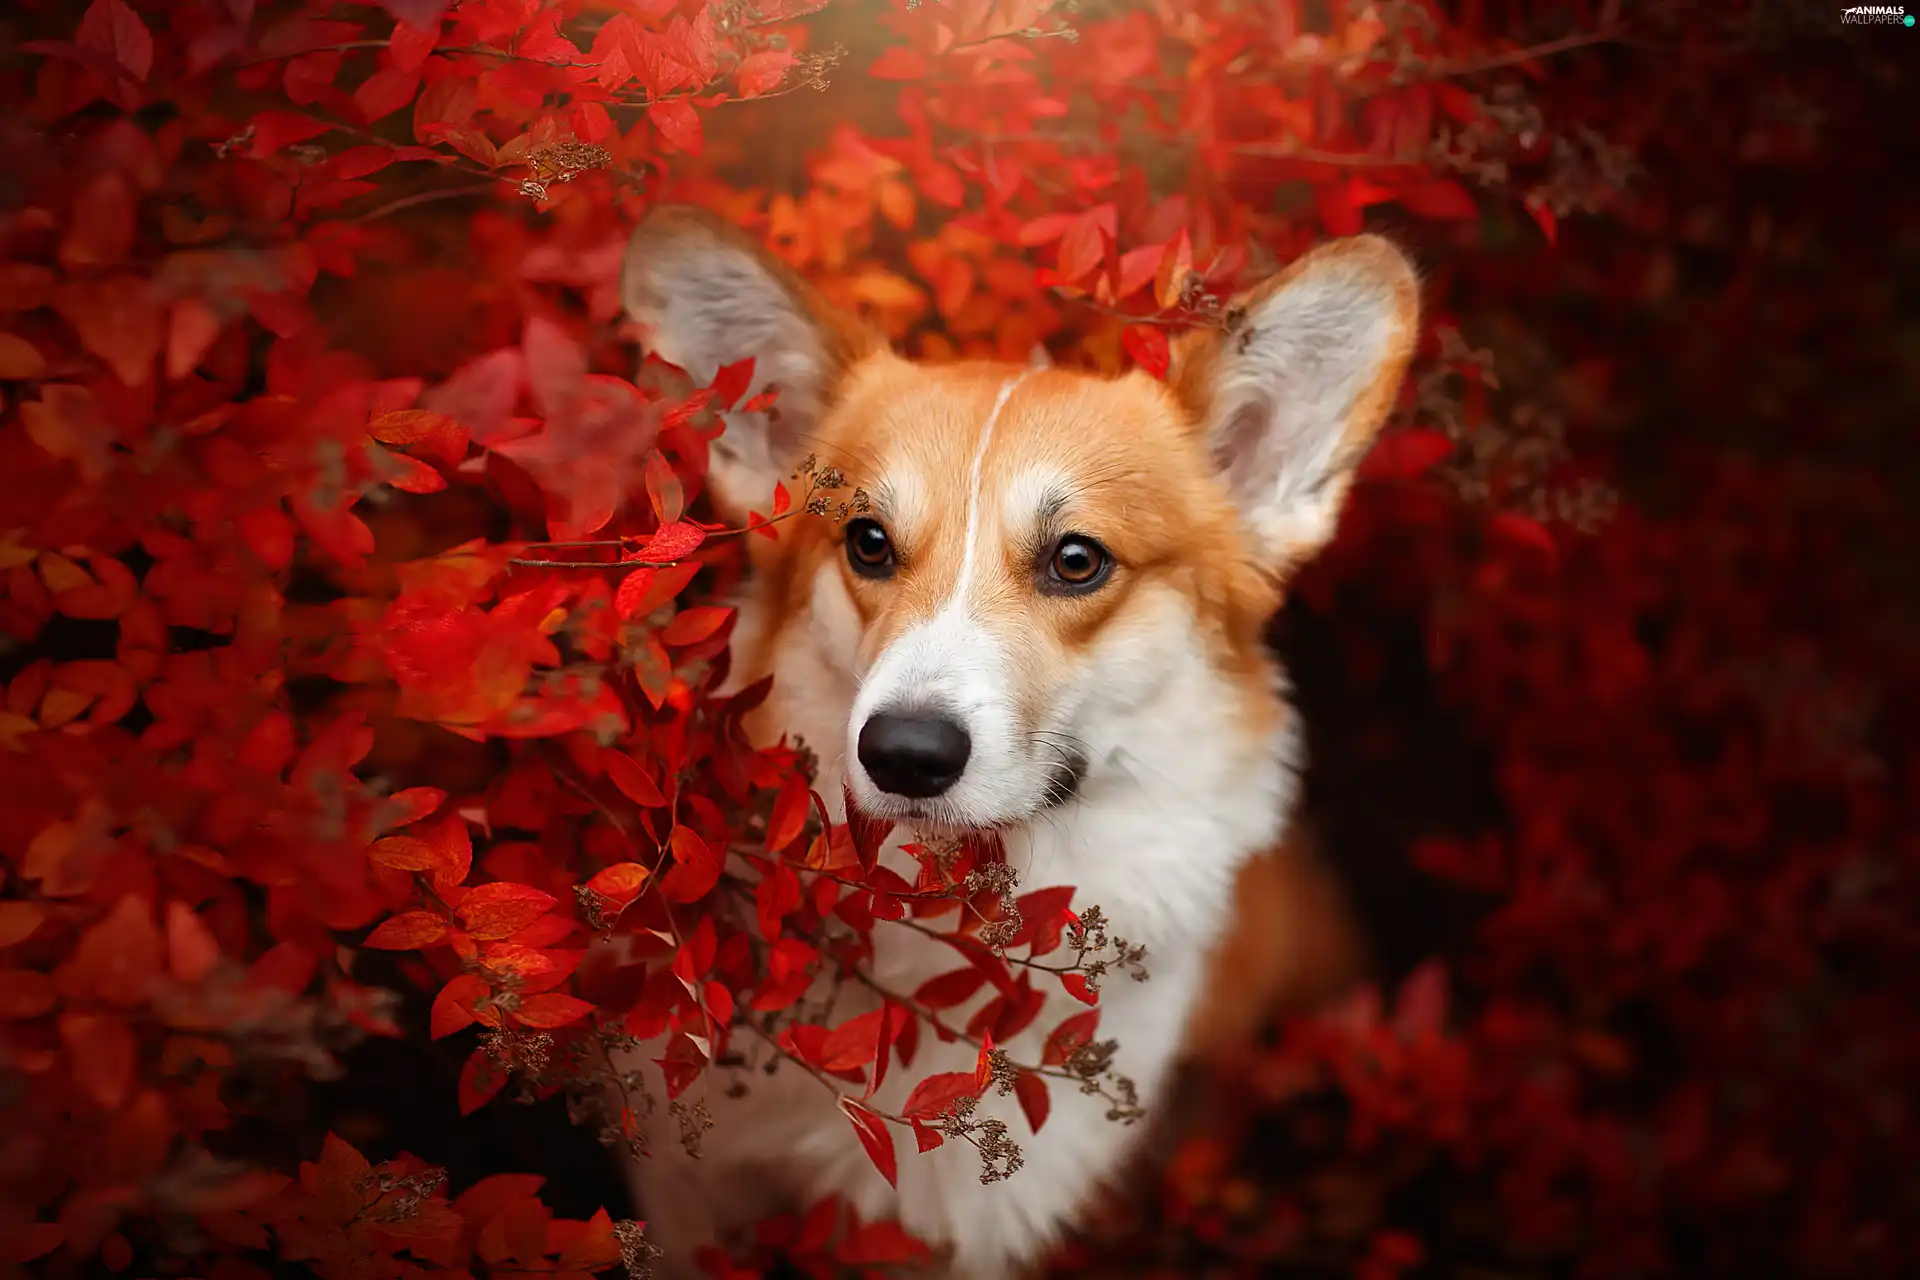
(637, 1253)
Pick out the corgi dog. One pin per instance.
(1049, 622)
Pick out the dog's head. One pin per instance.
(1048, 556)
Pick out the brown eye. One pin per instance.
(869, 550)
(1078, 564)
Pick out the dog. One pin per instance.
(1049, 622)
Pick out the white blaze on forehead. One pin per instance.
(970, 547)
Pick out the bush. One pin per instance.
(361, 646)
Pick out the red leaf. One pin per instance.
(273, 131)
(1543, 217)
(664, 490)
(409, 806)
(1524, 531)
(1076, 985)
(789, 816)
(1147, 345)
(678, 123)
(925, 1138)
(867, 833)
(1081, 248)
(876, 1138)
(385, 92)
(1068, 1036)
(1034, 1099)
(696, 868)
(452, 1007)
(480, 1082)
(983, 1065)
(552, 1010)
(633, 780)
(732, 382)
(408, 931)
(776, 897)
(854, 1043)
(936, 1093)
(762, 72)
(949, 989)
(116, 33)
(673, 541)
(1046, 229)
(590, 121)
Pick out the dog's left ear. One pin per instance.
(1291, 393)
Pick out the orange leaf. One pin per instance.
(408, 931)
(405, 853)
(691, 626)
(552, 1010)
(620, 882)
(496, 910)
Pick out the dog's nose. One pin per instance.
(914, 755)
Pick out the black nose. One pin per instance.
(914, 755)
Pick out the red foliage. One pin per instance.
(355, 602)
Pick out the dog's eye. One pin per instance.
(869, 550)
(1078, 564)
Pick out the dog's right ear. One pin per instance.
(705, 296)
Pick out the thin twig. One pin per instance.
(428, 197)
